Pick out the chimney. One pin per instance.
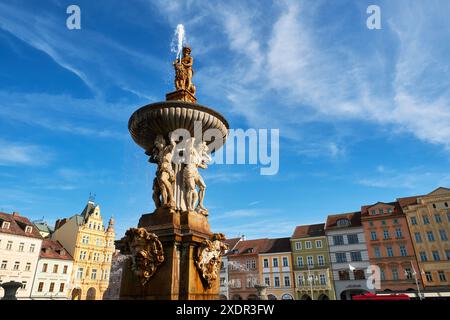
(15, 214)
(243, 237)
(59, 223)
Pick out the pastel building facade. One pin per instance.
(313, 275)
(54, 268)
(91, 244)
(20, 244)
(224, 291)
(390, 247)
(428, 219)
(276, 270)
(348, 254)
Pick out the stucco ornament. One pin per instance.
(146, 252)
(209, 258)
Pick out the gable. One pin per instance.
(439, 191)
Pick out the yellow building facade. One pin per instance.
(275, 270)
(91, 244)
(429, 223)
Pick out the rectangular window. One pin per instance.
(298, 245)
(300, 261)
(429, 276)
(442, 277)
(80, 273)
(320, 260)
(16, 265)
(430, 236)
(359, 275)
(382, 274)
(426, 220)
(390, 252)
(253, 264)
(266, 263)
(52, 287)
(287, 281)
(436, 256)
(403, 251)
(408, 273)
(277, 282)
(9, 245)
(418, 237)
(356, 256)
(44, 267)
(373, 235)
(300, 280)
(21, 246)
(40, 286)
(285, 262)
(338, 240)
(323, 279)
(394, 274)
(413, 221)
(443, 235)
(447, 254)
(55, 268)
(275, 262)
(4, 265)
(310, 261)
(344, 275)
(386, 234)
(32, 247)
(377, 252)
(352, 238)
(341, 257)
(307, 244)
(423, 256)
(94, 274)
(318, 244)
(65, 270)
(28, 266)
(267, 281)
(437, 218)
(398, 233)
(61, 287)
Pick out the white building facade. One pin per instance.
(20, 244)
(52, 279)
(348, 254)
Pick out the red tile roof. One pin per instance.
(251, 246)
(231, 242)
(396, 212)
(407, 201)
(307, 231)
(353, 217)
(17, 225)
(52, 249)
(278, 245)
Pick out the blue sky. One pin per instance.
(364, 115)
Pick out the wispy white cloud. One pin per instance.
(23, 154)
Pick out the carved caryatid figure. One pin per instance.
(163, 184)
(146, 252)
(184, 72)
(209, 257)
(196, 157)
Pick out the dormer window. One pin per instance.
(5, 225)
(373, 212)
(28, 229)
(381, 211)
(390, 210)
(343, 222)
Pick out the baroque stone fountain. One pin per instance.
(173, 253)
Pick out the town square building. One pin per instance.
(54, 268)
(312, 268)
(20, 244)
(91, 244)
(224, 268)
(389, 246)
(428, 219)
(276, 272)
(348, 254)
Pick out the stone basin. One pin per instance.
(161, 118)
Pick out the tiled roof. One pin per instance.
(365, 210)
(231, 242)
(17, 225)
(407, 201)
(52, 249)
(278, 245)
(353, 217)
(311, 230)
(251, 246)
